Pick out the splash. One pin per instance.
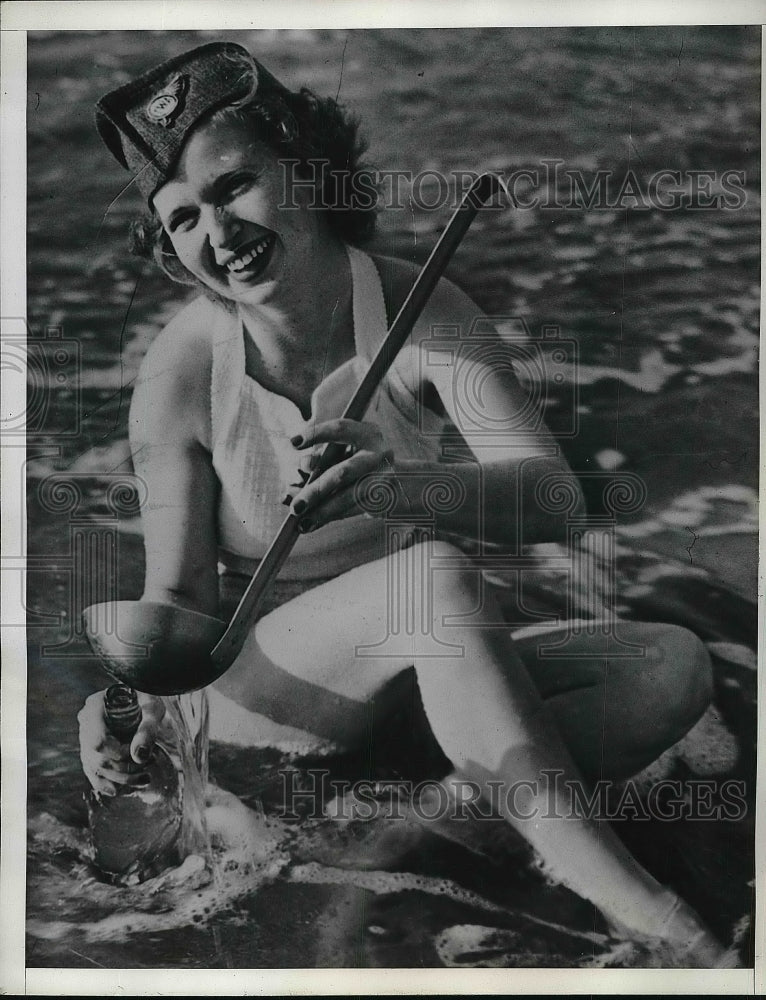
(228, 852)
(246, 852)
(189, 716)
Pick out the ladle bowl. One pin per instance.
(157, 648)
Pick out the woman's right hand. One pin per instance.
(103, 757)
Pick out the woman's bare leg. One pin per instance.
(323, 660)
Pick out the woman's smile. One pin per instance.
(249, 261)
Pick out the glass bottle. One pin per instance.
(134, 832)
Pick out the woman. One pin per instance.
(235, 397)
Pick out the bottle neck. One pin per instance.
(122, 713)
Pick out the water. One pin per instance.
(663, 311)
(189, 715)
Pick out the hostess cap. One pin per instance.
(145, 122)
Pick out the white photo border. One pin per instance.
(17, 19)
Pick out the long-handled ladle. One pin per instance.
(163, 649)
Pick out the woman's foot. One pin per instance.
(682, 936)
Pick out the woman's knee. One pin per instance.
(687, 672)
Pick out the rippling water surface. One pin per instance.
(661, 306)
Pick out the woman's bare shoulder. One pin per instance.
(173, 385)
(186, 340)
(449, 304)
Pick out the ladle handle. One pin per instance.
(485, 186)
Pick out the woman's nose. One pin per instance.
(223, 228)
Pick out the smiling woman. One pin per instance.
(222, 214)
(235, 398)
(312, 138)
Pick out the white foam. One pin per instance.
(609, 458)
(382, 883)
(709, 748)
(734, 652)
(472, 946)
(249, 852)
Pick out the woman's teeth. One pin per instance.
(240, 263)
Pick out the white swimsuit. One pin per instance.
(255, 462)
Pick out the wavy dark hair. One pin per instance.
(322, 137)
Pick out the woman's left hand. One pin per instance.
(333, 495)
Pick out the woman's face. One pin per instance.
(221, 212)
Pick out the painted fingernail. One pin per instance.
(288, 499)
(142, 753)
(300, 506)
(305, 526)
(296, 441)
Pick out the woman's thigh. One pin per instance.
(329, 659)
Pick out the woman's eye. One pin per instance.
(238, 185)
(182, 221)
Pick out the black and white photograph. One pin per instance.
(388, 459)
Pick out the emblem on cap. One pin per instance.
(166, 105)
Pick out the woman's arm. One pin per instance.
(169, 436)
(512, 446)
(170, 442)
